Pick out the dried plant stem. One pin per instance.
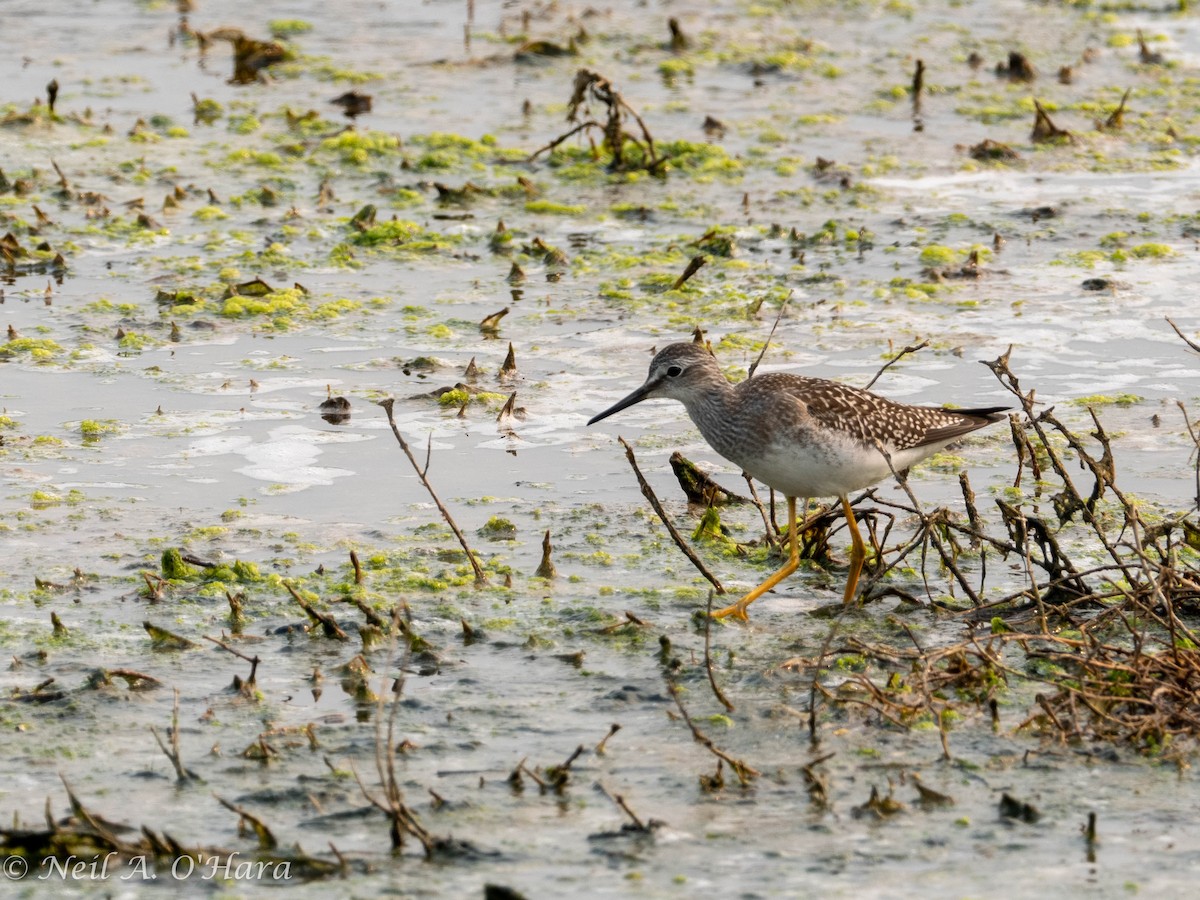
(1196, 443)
(266, 839)
(1183, 337)
(744, 772)
(770, 334)
(173, 753)
(422, 473)
(648, 493)
(591, 86)
(404, 821)
(930, 527)
(770, 533)
(812, 688)
(583, 126)
(697, 262)
(638, 823)
(327, 622)
(253, 660)
(712, 680)
(895, 359)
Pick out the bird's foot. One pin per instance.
(735, 611)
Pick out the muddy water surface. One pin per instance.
(149, 404)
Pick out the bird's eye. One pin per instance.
(674, 371)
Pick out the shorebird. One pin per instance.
(804, 437)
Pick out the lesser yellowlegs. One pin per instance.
(804, 437)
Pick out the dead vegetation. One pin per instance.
(86, 844)
(1101, 625)
(626, 151)
(250, 55)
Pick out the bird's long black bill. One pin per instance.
(636, 397)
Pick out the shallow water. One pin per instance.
(213, 441)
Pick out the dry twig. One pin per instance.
(422, 474)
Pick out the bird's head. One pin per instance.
(683, 372)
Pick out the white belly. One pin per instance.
(829, 471)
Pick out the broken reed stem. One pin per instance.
(770, 334)
(372, 617)
(173, 753)
(641, 826)
(964, 482)
(546, 568)
(931, 528)
(692, 268)
(327, 622)
(655, 161)
(266, 838)
(812, 688)
(638, 824)
(745, 773)
(84, 815)
(537, 779)
(895, 359)
(1034, 593)
(648, 493)
(583, 126)
(1183, 337)
(559, 776)
(771, 533)
(712, 680)
(818, 791)
(1195, 442)
(403, 820)
(612, 729)
(253, 660)
(480, 577)
(155, 584)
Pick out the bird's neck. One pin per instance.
(711, 412)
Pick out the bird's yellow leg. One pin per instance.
(858, 551)
(738, 610)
